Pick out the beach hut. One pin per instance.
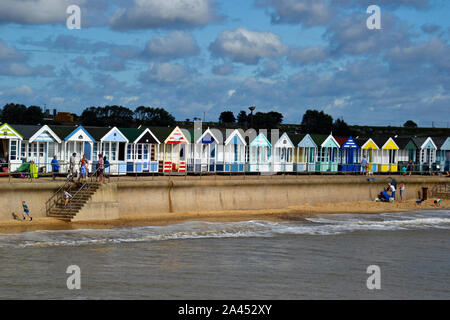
(388, 154)
(306, 154)
(371, 151)
(176, 150)
(39, 145)
(74, 139)
(426, 152)
(284, 150)
(232, 154)
(260, 154)
(10, 141)
(112, 144)
(328, 153)
(407, 152)
(349, 155)
(443, 153)
(142, 150)
(205, 152)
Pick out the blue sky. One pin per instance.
(205, 56)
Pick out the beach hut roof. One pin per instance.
(296, 138)
(63, 131)
(45, 134)
(424, 143)
(347, 143)
(97, 132)
(446, 144)
(261, 140)
(161, 133)
(206, 133)
(318, 139)
(9, 131)
(26, 131)
(405, 143)
(284, 141)
(238, 134)
(341, 140)
(439, 141)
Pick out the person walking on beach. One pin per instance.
(55, 167)
(364, 165)
(26, 211)
(402, 192)
(72, 166)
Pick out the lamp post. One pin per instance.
(252, 108)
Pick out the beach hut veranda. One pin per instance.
(426, 152)
(204, 152)
(328, 153)
(260, 153)
(283, 154)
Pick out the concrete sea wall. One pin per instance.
(119, 199)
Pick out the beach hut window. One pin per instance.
(95, 150)
(145, 152)
(139, 151)
(23, 150)
(113, 151)
(129, 152)
(41, 150)
(213, 151)
(13, 151)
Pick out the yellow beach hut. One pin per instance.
(370, 150)
(389, 152)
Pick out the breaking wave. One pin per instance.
(322, 225)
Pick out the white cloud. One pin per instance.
(164, 74)
(176, 45)
(110, 98)
(23, 90)
(242, 45)
(147, 14)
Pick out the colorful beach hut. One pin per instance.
(443, 153)
(407, 152)
(10, 141)
(74, 139)
(205, 152)
(389, 152)
(232, 157)
(260, 154)
(284, 150)
(371, 151)
(176, 150)
(306, 154)
(349, 155)
(112, 144)
(426, 152)
(328, 153)
(39, 145)
(142, 150)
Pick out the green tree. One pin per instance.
(242, 118)
(227, 117)
(341, 128)
(267, 120)
(34, 115)
(148, 116)
(410, 124)
(14, 113)
(317, 122)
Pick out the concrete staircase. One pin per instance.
(81, 193)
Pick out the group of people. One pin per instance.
(80, 168)
(384, 195)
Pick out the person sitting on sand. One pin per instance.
(437, 203)
(26, 211)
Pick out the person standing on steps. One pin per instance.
(73, 166)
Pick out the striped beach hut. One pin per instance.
(260, 154)
(349, 155)
(39, 145)
(10, 141)
(205, 152)
(176, 150)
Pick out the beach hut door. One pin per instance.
(87, 150)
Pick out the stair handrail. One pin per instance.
(49, 204)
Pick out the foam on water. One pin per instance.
(321, 225)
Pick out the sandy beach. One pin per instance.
(291, 213)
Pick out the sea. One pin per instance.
(330, 256)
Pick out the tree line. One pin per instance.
(313, 121)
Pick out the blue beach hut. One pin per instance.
(306, 154)
(349, 155)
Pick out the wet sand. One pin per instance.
(288, 214)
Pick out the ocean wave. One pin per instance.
(321, 225)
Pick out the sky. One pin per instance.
(197, 58)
